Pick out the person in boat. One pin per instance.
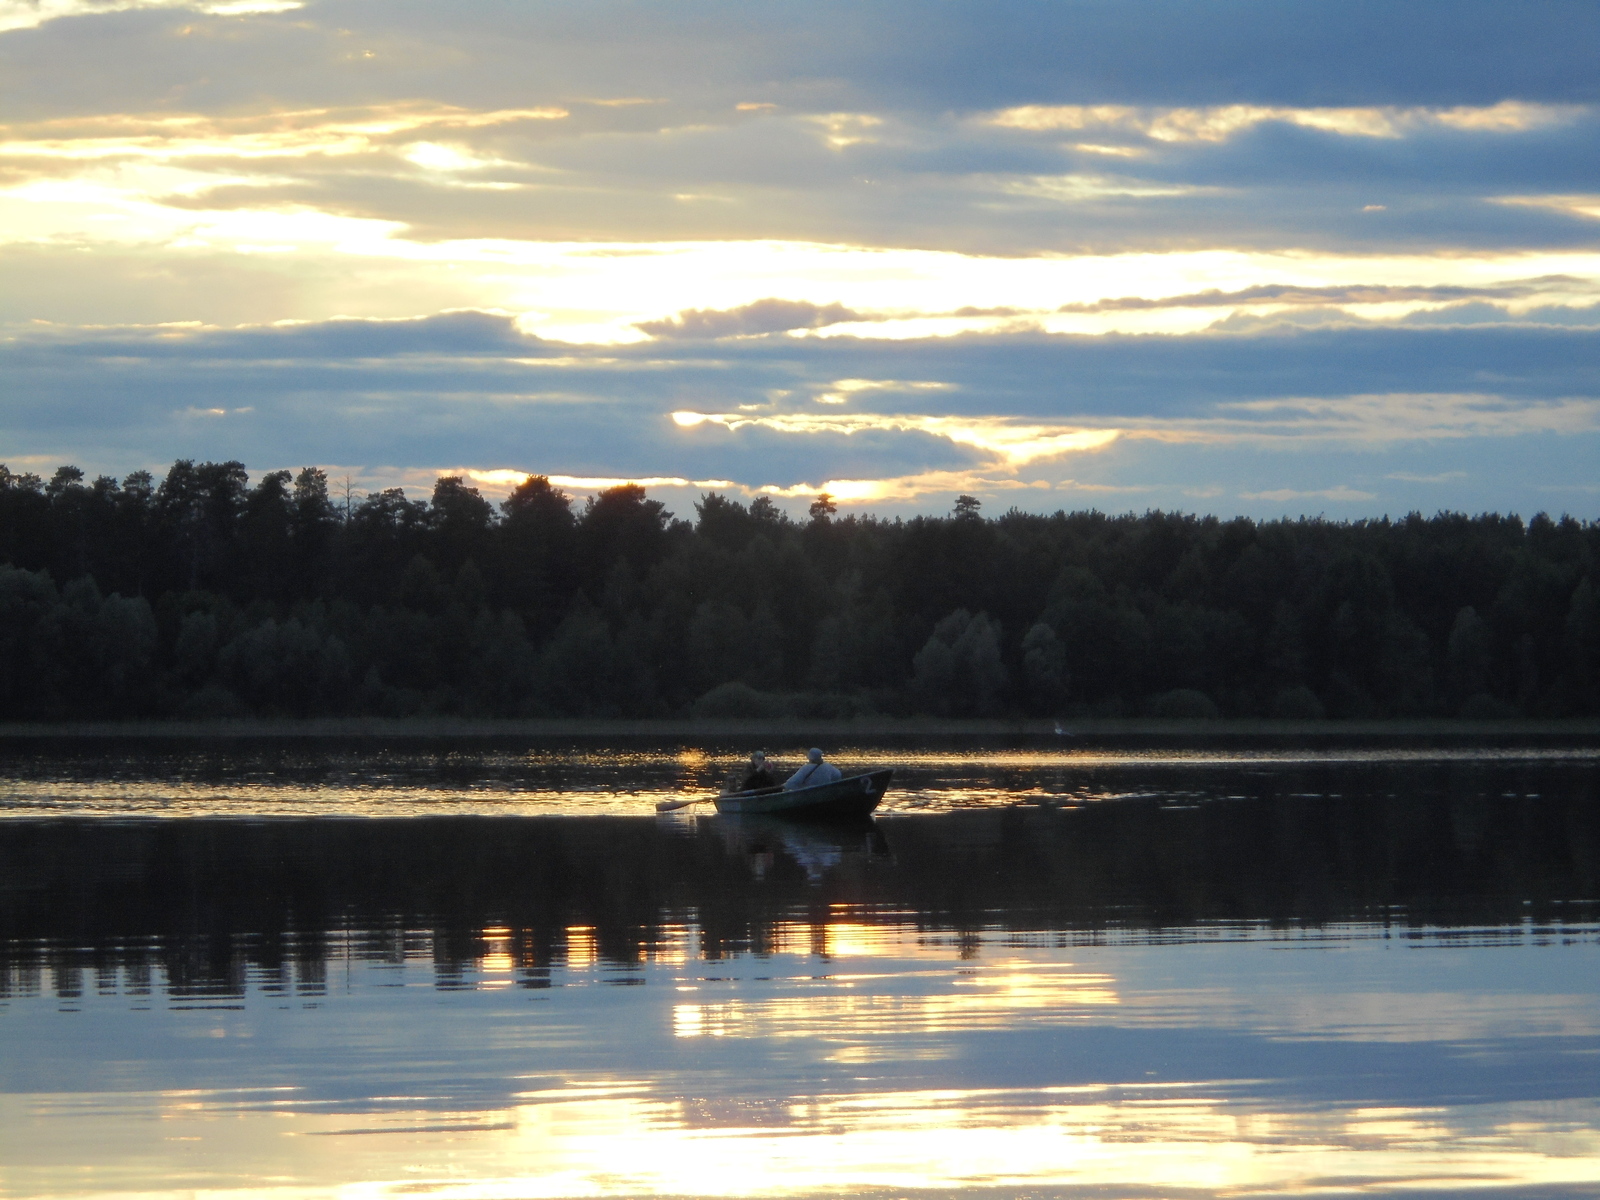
(759, 775)
(815, 772)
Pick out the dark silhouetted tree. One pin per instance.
(621, 522)
(537, 565)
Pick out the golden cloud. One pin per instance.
(847, 129)
(1220, 122)
(1366, 419)
(1334, 493)
(298, 133)
(902, 488)
(1579, 206)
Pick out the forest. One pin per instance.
(204, 595)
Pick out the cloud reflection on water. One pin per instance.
(1195, 974)
(859, 1077)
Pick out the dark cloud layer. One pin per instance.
(729, 142)
(929, 56)
(1352, 294)
(467, 389)
(430, 366)
(762, 316)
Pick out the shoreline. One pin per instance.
(1086, 730)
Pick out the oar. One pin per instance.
(674, 805)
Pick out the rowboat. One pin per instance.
(854, 796)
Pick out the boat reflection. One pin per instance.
(816, 847)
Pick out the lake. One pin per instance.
(489, 969)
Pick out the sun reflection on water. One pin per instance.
(768, 1017)
(626, 781)
(614, 1142)
(889, 1000)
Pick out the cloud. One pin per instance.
(1441, 477)
(1393, 418)
(347, 341)
(1290, 294)
(761, 316)
(853, 58)
(30, 14)
(842, 391)
(1062, 248)
(1340, 494)
(1218, 123)
(270, 134)
(1008, 442)
(1039, 420)
(1582, 206)
(501, 482)
(568, 170)
(1480, 313)
(903, 489)
(1036, 376)
(1275, 321)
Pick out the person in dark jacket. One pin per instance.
(759, 775)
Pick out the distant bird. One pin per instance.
(1061, 730)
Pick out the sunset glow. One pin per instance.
(1107, 260)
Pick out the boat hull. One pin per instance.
(852, 797)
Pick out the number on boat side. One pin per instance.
(866, 784)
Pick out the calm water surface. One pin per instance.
(435, 971)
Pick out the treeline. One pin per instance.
(205, 595)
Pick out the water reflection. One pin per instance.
(434, 777)
(817, 848)
(1282, 979)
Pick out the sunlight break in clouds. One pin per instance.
(29, 14)
(1583, 206)
(1013, 444)
(1350, 419)
(503, 482)
(499, 483)
(159, 183)
(739, 222)
(170, 138)
(918, 488)
(1355, 420)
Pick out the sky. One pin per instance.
(1260, 257)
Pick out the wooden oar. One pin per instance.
(674, 805)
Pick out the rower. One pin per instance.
(759, 775)
(814, 773)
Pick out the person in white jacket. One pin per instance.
(813, 773)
